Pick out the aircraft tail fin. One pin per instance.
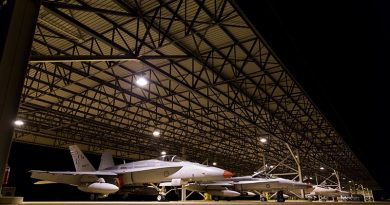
(106, 160)
(81, 163)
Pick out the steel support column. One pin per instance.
(17, 19)
(298, 162)
(183, 193)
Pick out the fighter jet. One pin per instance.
(246, 186)
(109, 178)
(323, 192)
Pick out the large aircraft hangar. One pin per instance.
(188, 77)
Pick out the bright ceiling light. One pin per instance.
(163, 153)
(263, 140)
(271, 166)
(18, 123)
(214, 164)
(310, 177)
(349, 181)
(322, 168)
(141, 81)
(156, 133)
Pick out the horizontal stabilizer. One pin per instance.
(100, 173)
(72, 178)
(56, 177)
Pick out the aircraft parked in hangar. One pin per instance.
(246, 186)
(322, 192)
(110, 178)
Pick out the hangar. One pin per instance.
(109, 74)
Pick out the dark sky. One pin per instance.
(338, 51)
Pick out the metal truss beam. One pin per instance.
(89, 58)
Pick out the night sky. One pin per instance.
(337, 50)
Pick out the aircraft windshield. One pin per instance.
(169, 158)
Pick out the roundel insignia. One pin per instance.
(267, 185)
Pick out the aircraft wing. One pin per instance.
(73, 178)
(254, 182)
(217, 183)
(281, 184)
(209, 184)
(145, 169)
(216, 187)
(146, 174)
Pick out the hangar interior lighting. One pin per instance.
(349, 181)
(214, 164)
(310, 177)
(263, 140)
(163, 153)
(322, 168)
(141, 81)
(18, 123)
(272, 166)
(156, 133)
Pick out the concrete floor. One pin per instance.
(203, 203)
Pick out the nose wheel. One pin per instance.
(160, 197)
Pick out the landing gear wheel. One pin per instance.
(216, 198)
(160, 197)
(93, 197)
(125, 196)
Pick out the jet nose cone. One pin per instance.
(227, 174)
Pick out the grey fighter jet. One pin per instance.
(109, 178)
(246, 186)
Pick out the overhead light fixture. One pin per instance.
(156, 133)
(18, 123)
(214, 164)
(163, 153)
(272, 166)
(349, 181)
(322, 168)
(310, 177)
(141, 81)
(343, 178)
(263, 140)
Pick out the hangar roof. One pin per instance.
(215, 88)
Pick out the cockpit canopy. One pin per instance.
(169, 158)
(262, 175)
